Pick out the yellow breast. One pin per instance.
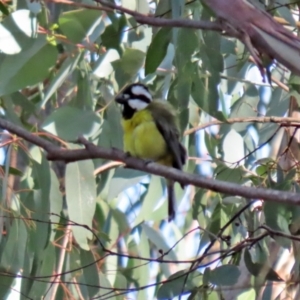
(142, 138)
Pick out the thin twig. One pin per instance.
(57, 276)
(283, 121)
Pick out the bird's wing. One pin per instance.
(171, 135)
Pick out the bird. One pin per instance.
(151, 132)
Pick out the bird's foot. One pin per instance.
(128, 154)
(148, 161)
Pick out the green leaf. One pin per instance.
(105, 287)
(84, 98)
(20, 100)
(183, 88)
(157, 50)
(220, 275)
(182, 281)
(259, 269)
(159, 241)
(65, 70)
(112, 131)
(56, 202)
(69, 123)
(17, 31)
(252, 267)
(12, 258)
(4, 9)
(211, 57)
(278, 218)
(247, 295)
(90, 272)
(12, 171)
(236, 175)
(164, 9)
(121, 220)
(205, 93)
(120, 283)
(44, 268)
(81, 198)
(144, 270)
(187, 44)
(123, 179)
(28, 67)
(113, 34)
(76, 24)
(218, 219)
(150, 201)
(128, 66)
(244, 107)
(39, 237)
(6, 283)
(279, 102)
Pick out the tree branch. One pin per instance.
(162, 22)
(91, 152)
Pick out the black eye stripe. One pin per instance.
(140, 97)
(128, 93)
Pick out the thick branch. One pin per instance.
(91, 151)
(162, 22)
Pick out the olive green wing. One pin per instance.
(165, 120)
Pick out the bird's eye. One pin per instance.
(122, 98)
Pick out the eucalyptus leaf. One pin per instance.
(128, 65)
(75, 24)
(81, 199)
(122, 179)
(28, 67)
(17, 31)
(90, 273)
(220, 275)
(79, 123)
(156, 238)
(177, 283)
(157, 50)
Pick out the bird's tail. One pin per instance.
(171, 200)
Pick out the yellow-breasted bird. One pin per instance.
(151, 132)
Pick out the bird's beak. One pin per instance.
(120, 99)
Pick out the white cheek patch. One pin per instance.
(140, 90)
(137, 104)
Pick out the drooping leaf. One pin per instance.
(128, 65)
(90, 273)
(17, 31)
(28, 67)
(65, 70)
(81, 199)
(76, 24)
(69, 123)
(122, 179)
(177, 283)
(157, 50)
(219, 275)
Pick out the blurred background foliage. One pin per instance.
(95, 230)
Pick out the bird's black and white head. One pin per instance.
(134, 97)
